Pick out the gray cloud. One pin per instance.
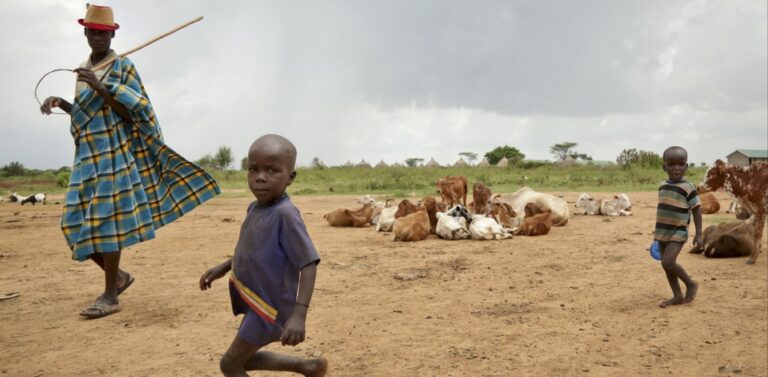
(398, 79)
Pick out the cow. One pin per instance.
(730, 239)
(404, 208)
(347, 217)
(379, 207)
(452, 190)
(749, 185)
(537, 224)
(430, 204)
(618, 206)
(481, 195)
(587, 205)
(503, 214)
(709, 203)
(412, 227)
(386, 219)
(486, 228)
(525, 195)
(452, 225)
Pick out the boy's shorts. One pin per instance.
(257, 331)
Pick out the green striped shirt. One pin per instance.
(673, 214)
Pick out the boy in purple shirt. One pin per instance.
(273, 268)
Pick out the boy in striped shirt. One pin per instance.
(678, 199)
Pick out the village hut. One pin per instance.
(461, 163)
(382, 164)
(348, 164)
(504, 162)
(432, 163)
(363, 164)
(484, 163)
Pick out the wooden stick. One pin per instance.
(153, 40)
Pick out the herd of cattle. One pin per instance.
(530, 213)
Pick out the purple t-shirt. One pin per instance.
(273, 247)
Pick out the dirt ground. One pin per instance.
(581, 301)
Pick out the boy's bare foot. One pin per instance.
(673, 301)
(690, 291)
(318, 369)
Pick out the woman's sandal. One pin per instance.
(100, 309)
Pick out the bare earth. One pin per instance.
(581, 301)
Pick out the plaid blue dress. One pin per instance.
(125, 181)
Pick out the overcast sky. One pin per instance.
(347, 80)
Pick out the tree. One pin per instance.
(206, 162)
(627, 157)
(511, 153)
(632, 157)
(223, 158)
(471, 157)
(317, 163)
(565, 149)
(413, 161)
(14, 168)
(244, 163)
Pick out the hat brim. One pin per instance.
(91, 25)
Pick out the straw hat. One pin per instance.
(99, 18)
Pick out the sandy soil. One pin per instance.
(581, 301)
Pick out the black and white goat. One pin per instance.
(37, 198)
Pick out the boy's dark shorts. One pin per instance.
(257, 331)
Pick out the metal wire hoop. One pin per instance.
(41, 80)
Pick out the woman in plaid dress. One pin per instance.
(125, 182)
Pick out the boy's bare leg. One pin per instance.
(122, 276)
(674, 271)
(242, 356)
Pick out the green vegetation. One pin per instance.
(404, 181)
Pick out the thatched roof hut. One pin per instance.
(363, 164)
(348, 164)
(484, 163)
(504, 162)
(382, 164)
(432, 163)
(461, 163)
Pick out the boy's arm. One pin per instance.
(697, 224)
(214, 273)
(294, 330)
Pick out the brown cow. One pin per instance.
(503, 214)
(725, 240)
(404, 208)
(531, 209)
(536, 225)
(452, 189)
(413, 227)
(347, 217)
(431, 205)
(749, 185)
(709, 203)
(481, 195)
